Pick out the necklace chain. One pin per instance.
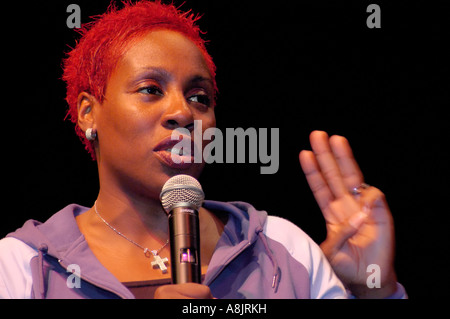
(146, 250)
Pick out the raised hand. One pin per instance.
(359, 224)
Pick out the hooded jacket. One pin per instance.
(257, 256)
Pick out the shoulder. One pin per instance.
(299, 245)
(15, 271)
(324, 282)
(15, 250)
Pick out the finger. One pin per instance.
(316, 182)
(327, 163)
(339, 233)
(373, 201)
(347, 164)
(183, 291)
(194, 290)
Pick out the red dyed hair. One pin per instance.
(103, 41)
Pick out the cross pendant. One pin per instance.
(159, 262)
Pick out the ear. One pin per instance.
(86, 104)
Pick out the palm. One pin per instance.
(366, 244)
(359, 228)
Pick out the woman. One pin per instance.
(136, 75)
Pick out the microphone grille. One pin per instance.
(181, 190)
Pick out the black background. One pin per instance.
(292, 65)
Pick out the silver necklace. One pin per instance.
(157, 262)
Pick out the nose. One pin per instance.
(178, 114)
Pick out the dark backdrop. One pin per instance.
(292, 65)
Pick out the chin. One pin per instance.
(195, 171)
(151, 185)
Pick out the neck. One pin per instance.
(141, 217)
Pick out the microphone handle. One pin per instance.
(184, 245)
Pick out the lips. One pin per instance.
(176, 156)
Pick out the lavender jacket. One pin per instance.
(257, 256)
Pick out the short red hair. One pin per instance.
(103, 41)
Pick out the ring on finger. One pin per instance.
(358, 190)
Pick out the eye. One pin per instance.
(200, 98)
(151, 90)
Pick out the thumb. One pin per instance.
(339, 234)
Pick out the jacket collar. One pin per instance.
(60, 238)
(63, 241)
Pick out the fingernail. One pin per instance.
(357, 219)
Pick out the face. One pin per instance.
(161, 83)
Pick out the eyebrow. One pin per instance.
(161, 74)
(156, 73)
(198, 78)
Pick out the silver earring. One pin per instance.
(91, 135)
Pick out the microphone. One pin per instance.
(181, 197)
